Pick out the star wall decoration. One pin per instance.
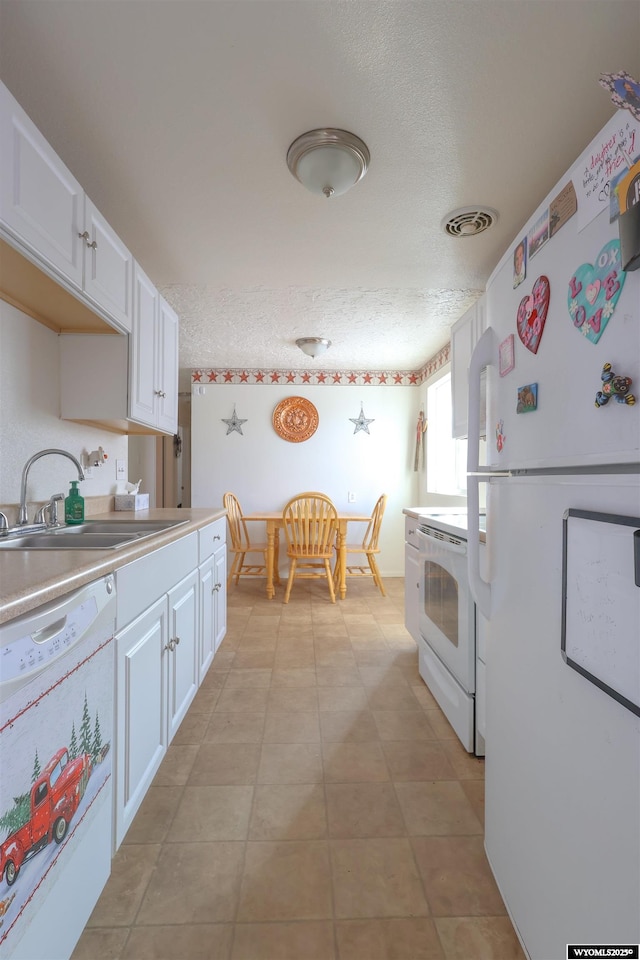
(361, 422)
(234, 423)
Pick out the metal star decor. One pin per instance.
(361, 422)
(234, 423)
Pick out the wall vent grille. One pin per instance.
(469, 221)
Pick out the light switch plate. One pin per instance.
(121, 469)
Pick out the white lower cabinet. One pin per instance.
(170, 620)
(213, 591)
(411, 579)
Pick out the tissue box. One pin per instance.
(132, 501)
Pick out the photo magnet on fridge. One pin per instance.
(527, 398)
(520, 263)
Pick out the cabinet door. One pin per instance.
(412, 591)
(141, 721)
(143, 350)
(208, 601)
(220, 593)
(108, 268)
(182, 656)
(41, 202)
(167, 373)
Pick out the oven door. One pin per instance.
(447, 620)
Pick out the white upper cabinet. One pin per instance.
(465, 333)
(45, 214)
(153, 347)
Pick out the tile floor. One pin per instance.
(314, 805)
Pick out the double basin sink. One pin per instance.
(90, 535)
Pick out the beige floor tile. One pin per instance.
(294, 677)
(466, 765)
(205, 699)
(264, 643)
(343, 726)
(194, 883)
(153, 819)
(290, 763)
(288, 880)
(292, 700)
(248, 677)
(212, 813)
(289, 811)
(235, 728)
(176, 765)
(239, 700)
(457, 877)
(202, 941)
(192, 729)
(335, 659)
(438, 808)
(222, 661)
(483, 938)
(107, 943)
(374, 677)
(361, 762)
(297, 633)
(294, 659)
(418, 760)
(367, 655)
(254, 658)
(131, 870)
(284, 728)
(363, 810)
(304, 940)
(342, 698)
(441, 726)
(474, 789)
(229, 764)
(404, 939)
(393, 698)
(423, 695)
(338, 676)
(376, 878)
(403, 725)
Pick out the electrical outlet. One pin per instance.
(351, 497)
(121, 469)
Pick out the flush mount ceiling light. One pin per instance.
(313, 346)
(469, 221)
(328, 161)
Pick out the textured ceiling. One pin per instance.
(176, 117)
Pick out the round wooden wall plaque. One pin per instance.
(295, 419)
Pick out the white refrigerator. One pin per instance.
(562, 593)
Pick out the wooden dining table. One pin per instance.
(274, 522)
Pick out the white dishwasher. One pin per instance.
(56, 730)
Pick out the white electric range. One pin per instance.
(447, 648)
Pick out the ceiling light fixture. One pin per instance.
(313, 346)
(328, 161)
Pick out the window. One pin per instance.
(446, 457)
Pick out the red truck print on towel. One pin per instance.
(54, 799)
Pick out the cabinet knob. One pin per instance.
(170, 645)
(86, 237)
(216, 536)
(159, 393)
(216, 587)
(176, 641)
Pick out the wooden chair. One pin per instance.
(368, 548)
(241, 545)
(310, 524)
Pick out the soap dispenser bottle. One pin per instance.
(74, 505)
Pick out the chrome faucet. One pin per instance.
(22, 513)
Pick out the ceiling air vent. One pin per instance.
(469, 221)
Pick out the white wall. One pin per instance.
(264, 471)
(30, 417)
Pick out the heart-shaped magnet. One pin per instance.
(594, 290)
(532, 314)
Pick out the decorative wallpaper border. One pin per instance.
(329, 378)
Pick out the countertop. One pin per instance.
(448, 519)
(29, 578)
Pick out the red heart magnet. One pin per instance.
(532, 314)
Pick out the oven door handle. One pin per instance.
(443, 544)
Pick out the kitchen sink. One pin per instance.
(90, 535)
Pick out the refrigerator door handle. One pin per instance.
(484, 355)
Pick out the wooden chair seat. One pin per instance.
(310, 523)
(241, 546)
(366, 551)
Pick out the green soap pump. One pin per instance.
(74, 505)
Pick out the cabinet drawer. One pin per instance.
(410, 531)
(142, 582)
(211, 537)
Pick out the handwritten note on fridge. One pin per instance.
(611, 153)
(601, 603)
